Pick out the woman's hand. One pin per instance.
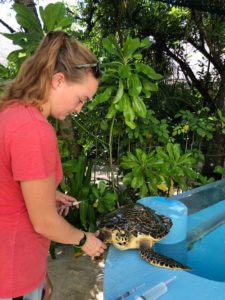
(63, 203)
(93, 246)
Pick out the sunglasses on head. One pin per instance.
(95, 67)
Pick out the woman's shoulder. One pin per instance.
(17, 116)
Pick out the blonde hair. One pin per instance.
(56, 53)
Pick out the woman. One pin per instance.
(57, 80)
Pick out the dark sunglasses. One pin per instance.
(95, 67)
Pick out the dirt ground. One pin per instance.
(75, 278)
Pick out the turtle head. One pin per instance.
(111, 230)
(105, 235)
(118, 238)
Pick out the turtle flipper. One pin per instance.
(159, 260)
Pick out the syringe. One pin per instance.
(156, 291)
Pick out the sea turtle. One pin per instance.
(135, 226)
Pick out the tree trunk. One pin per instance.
(215, 154)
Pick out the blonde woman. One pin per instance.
(57, 80)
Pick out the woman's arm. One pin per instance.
(39, 196)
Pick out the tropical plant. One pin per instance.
(160, 170)
(53, 17)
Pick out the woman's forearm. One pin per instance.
(56, 228)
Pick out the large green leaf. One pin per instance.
(134, 85)
(26, 18)
(148, 85)
(101, 98)
(124, 71)
(129, 114)
(110, 44)
(119, 93)
(111, 112)
(147, 70)
(55, 16)
(130, 46)
(139, 107)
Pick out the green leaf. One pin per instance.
(14, 56)
(104, 125)
(138, 56)
(95, 191)
(129, 114)
(119, 93)
(124, 71)
(111, 45)
(139, 107)
(110, 197)
(161, 153)
(219, 169)
(26, 18)
(102, 186)
(145, 43)
(83, 207)
(143, 190)
(130, 124)
(29, 40)
(137, 182)
(147, 70)
(130, 46)
(127, 178)
(54, 16)
(71, 166)
(148, 85)
(111, 112)
(134, 85)
(169, 148)
(176, 151)
(91, 218)
(141, 155)
(101, 98)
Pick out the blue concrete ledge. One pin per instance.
(125, 270)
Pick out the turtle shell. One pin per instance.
(138, 220)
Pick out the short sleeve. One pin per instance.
(33, 151)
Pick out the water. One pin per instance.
(196, 240)
(207, 255)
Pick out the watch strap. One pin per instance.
(82, 241)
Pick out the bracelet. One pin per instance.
(82, 241)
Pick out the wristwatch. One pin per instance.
(82, 241)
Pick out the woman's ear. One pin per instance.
(57, 80)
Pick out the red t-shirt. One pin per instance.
(28, 150)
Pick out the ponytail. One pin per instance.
(56, 53)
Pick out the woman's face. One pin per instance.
(66, 97)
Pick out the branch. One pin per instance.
(211, 6)
(206, 54)
(7, 26)
(188, 71)
(197, 16)
(90, 17)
